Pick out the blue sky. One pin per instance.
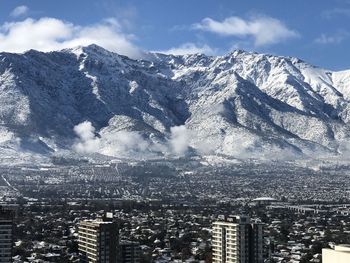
(317, 31)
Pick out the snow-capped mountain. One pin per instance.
(243, 104)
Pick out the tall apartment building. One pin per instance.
(6, 235)
(237, 240)
(340, 254)
(129, 251)
(98, 241)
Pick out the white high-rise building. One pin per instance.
(98, 241)
(340, 254)
(237, 240)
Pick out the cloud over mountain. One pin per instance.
(189, 48)
(48, 34)
(264, 30)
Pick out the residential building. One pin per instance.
(340, 254)
(6, 234)
(98, 241)
(237, 240)
(129, 251)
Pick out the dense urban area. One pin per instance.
(166, 208)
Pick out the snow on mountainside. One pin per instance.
(243, 104)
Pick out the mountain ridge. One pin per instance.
(241, 104)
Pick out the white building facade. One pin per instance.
(237, 240)
(340, 254)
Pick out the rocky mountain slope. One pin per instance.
(243, 104)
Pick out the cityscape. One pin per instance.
(177, 131)
(161, 212)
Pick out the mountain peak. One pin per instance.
(239, 104)
(96, 48)
(89, 49)
(237, 52)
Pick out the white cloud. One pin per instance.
(19, 11)
(189, 48)
(48, 34)
(332, 39)
(88, 142)
(123, 143)
(335, 12)
(179, 140)
(263, 29)
(128, 143)
(120, 143)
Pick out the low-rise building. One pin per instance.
(340, 254)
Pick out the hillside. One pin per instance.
(89, 100)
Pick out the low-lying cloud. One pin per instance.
(128, 143)
(124, 143)
(88, 142)
(179, 139)
(133, 144)
(120, 143)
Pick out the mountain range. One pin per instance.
(87, 100)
